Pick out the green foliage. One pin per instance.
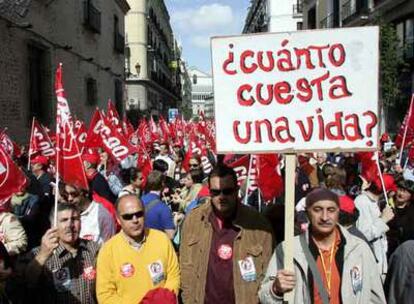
(392, 64)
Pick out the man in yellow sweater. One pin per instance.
(135, 260)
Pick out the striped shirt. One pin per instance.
(69, 278)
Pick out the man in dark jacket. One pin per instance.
(399, 284)
(235, 240)
(401, 226)
(97, 183)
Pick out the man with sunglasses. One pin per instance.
(225, 246)
(136, 260)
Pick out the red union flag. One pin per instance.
(12, 179)
(70, 165)
(114, 142)
(40, 141)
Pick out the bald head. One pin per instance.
(130, 215)
(127, 201)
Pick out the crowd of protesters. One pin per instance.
(184, 234)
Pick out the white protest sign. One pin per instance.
(297, 91)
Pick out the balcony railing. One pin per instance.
(119, 43)
(91, 16)
(327, 22)
(409, 49)
(298, 9)
(353, 9)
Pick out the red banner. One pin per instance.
(70, 166)
(12, 179)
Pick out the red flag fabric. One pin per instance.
(81, 134)
(155, 136)
(164, 129)
(9, 145)
(113, 142)
(407, 123)
(113, 116)
(40, 142)
(369, 168)
(70, 166)
(269, 179)
(93, 138)
(12, 179)
(240, 164)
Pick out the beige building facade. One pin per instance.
(153, 59)
(87, 36)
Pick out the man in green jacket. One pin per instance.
(331, 265)
(225, 246)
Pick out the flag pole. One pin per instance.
(381, 178)
(248, 179)
(406, 129)
(30, 143)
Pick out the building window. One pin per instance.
(119, 96)
(194, 79)
(91, 16)
(119, 40)
(91, 91)
(38, 84)
(299, 26)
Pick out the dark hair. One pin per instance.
(346, 218)
(160, 165)
(67, 206)
(197, 158)
(155, 181)
(84, 192)
(129, 175)
(222, 170)
(337, 179)
(197, 175)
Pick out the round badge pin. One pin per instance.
(225, 252)
(127, 270)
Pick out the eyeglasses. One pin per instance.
(193, 165)
(130, 216)
(225, 191)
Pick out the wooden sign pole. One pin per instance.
(290, 161)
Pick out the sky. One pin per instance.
(195, 21)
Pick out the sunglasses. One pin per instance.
(71, 194)
(225, 191)
(130, 216)
(193, 165)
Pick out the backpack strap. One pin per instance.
(314, 269)
(152, 204)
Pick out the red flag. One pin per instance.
(12, 179)
(113, 142)
(269, 179)
(127, 127)
(144, 164)
(9, 145)
(407, 123)
(240, 164)
(93, 138)
(40, 141)
(114, 117)
(81, 134)
(164, 129)
(155, 136)
(144, 133)
(69, 162)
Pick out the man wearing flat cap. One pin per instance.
(401, 226)
(330, 264)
